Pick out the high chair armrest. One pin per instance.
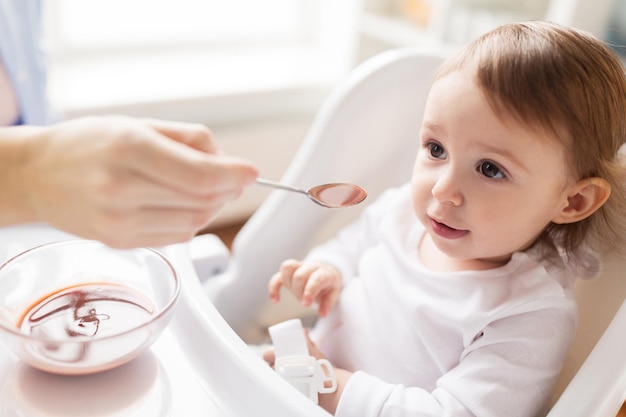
(209, 255)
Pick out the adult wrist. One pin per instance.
(18, 146)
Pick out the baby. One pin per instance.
(453, 295)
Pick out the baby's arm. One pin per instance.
(309, 282)
(327, 401)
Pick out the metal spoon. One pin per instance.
(333, 195)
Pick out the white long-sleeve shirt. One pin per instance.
(426, 343)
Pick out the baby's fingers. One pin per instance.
(282, 278)
(287, 270)
(276, 282)
(323, 287)
(300, 281)
(269, 356)
(327, 302)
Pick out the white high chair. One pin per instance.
(367, 133)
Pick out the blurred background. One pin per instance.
(256, 71)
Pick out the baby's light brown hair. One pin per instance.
(568, 83)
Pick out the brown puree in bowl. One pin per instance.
(86, 310)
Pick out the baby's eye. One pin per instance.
(436, 150)
(490, 170)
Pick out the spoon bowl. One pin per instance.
(332, 195)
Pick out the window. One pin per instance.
(87, 25)
(107, 55)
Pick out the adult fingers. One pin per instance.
(180, 167)
(195, 135)
(222, 173)
(131, 192)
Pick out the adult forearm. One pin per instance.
(16, 147)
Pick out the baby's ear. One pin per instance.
(586, 196)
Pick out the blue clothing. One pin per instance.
(23, 57)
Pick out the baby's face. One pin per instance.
(483, 186)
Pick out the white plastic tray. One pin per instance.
(198, 367)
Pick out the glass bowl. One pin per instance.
(79, 306)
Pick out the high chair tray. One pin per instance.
(198, 367)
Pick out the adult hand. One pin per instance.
(123, 181)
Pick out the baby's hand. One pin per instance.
(309, 282)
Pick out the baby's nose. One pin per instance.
(447, 188)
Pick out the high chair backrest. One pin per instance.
(593, 380)
(367, 133)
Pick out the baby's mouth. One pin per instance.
(445, 231)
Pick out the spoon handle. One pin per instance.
(273, 184)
